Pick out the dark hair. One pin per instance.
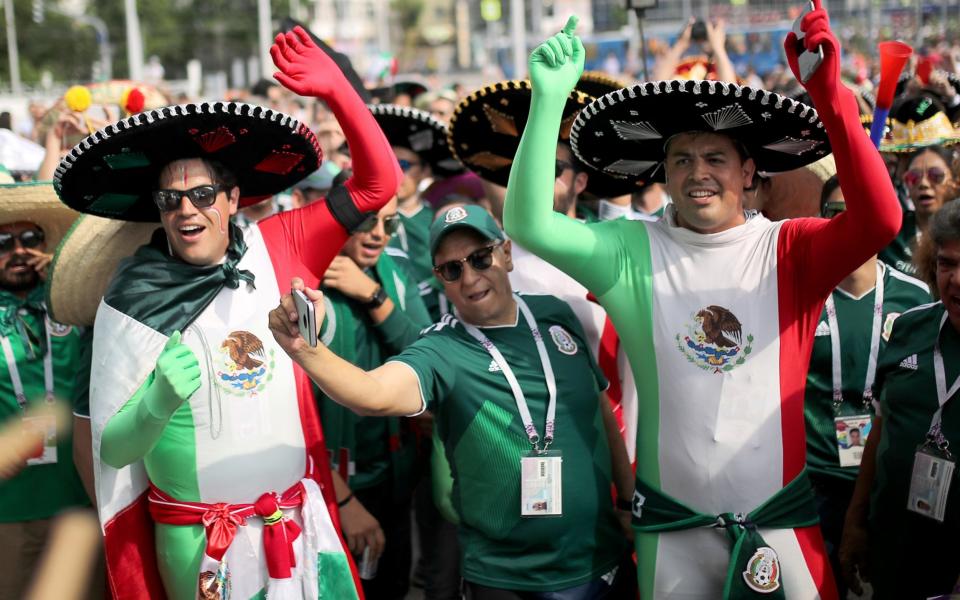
(6, 121)
(852, 429)
(829, 186)
(944, 227)
(945, 153)
(219, 173)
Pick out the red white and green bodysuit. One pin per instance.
(249, 441)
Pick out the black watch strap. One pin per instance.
(626, 505)
(379, 297)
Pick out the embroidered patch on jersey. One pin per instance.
(909, 362)
(638, 500)
(457, 213)
(243, 366)
(888, 325)
(59, 329)
(763, 571)
(714, 341)
(563, 340)
(823, 328)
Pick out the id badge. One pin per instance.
(930, 483)
(852, 432)
(45, 452)
(541, 491)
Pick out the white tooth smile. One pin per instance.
(701, 194)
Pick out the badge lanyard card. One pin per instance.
(850, 446)
(541, 484)
(934, 464)
(46, 426)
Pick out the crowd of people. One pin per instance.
(323, 341)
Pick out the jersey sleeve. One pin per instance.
(81, 389)
(428, 359)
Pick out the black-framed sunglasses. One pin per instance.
(390, 224)
(832, 209)
(480, 260)
(202, 196)
(561, 166)
(30, 238)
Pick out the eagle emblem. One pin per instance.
(763, 571)
(715, 340)
(245, 365)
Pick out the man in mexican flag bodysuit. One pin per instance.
(197, 416)
(727, 300)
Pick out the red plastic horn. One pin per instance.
(893, 56)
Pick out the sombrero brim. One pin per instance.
(419, 131)
(36, 203)
(598, 83)
(486, 126)
(624, 134)
(85, 262)
(112, 172)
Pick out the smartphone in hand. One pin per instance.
(306, 317)
(808, 62)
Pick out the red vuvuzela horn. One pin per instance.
(893, 56)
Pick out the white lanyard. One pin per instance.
(943, 394)
(528, 425)
(15, 372)
(874, 344)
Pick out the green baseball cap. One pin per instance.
(469, 216)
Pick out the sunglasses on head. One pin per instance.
(202, 196)
(480, 260)
(406, 165)
(31, 238)
(390, 224)
(560, 167)
(936, 175)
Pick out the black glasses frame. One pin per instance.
(202, 196)
(480, 259)
(29, 238)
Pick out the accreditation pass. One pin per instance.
(541, 490)
(930, 483)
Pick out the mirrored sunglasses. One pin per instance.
(31, 238)
(202, 196)
(480, 260)
(936, 175)
(390, 224)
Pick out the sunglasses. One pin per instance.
(560, 167)
(390, 224)
(936, 175)
(406, 165)
(31, 238)
(202, 196)
(832, 209)
(480, 260)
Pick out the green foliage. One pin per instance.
(65, 48)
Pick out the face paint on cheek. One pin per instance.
(216, 211)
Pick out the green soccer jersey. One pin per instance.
(413, 239)
(854, 320)
(913, 555)
(899, 254)
(38, 491)
(483, 436)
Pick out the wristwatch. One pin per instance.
(379, 297)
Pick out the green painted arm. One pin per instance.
(528, 216)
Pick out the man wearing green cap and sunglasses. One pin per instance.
(517, 398)
(373, 311)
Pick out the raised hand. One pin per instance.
(305, 69)
(344, 275)
(556, 64)
(824, 85)
(177, 374)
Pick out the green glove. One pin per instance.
(557, 64)
(175, 378)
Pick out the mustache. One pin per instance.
(18, 261)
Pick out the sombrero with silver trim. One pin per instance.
(36, 203)
(420, 132)
(112, 172)
(486, 126)
(624, 134)
(84, 264)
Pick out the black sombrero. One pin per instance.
(624, 134)
(598, 83)
(420, 132)
(111, 173)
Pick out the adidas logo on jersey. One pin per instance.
(822, 329)
(494, 367)
(909, 362)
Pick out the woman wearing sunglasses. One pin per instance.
(930, 181)
(517, 400)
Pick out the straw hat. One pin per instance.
(36, 203)
(85, 262)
